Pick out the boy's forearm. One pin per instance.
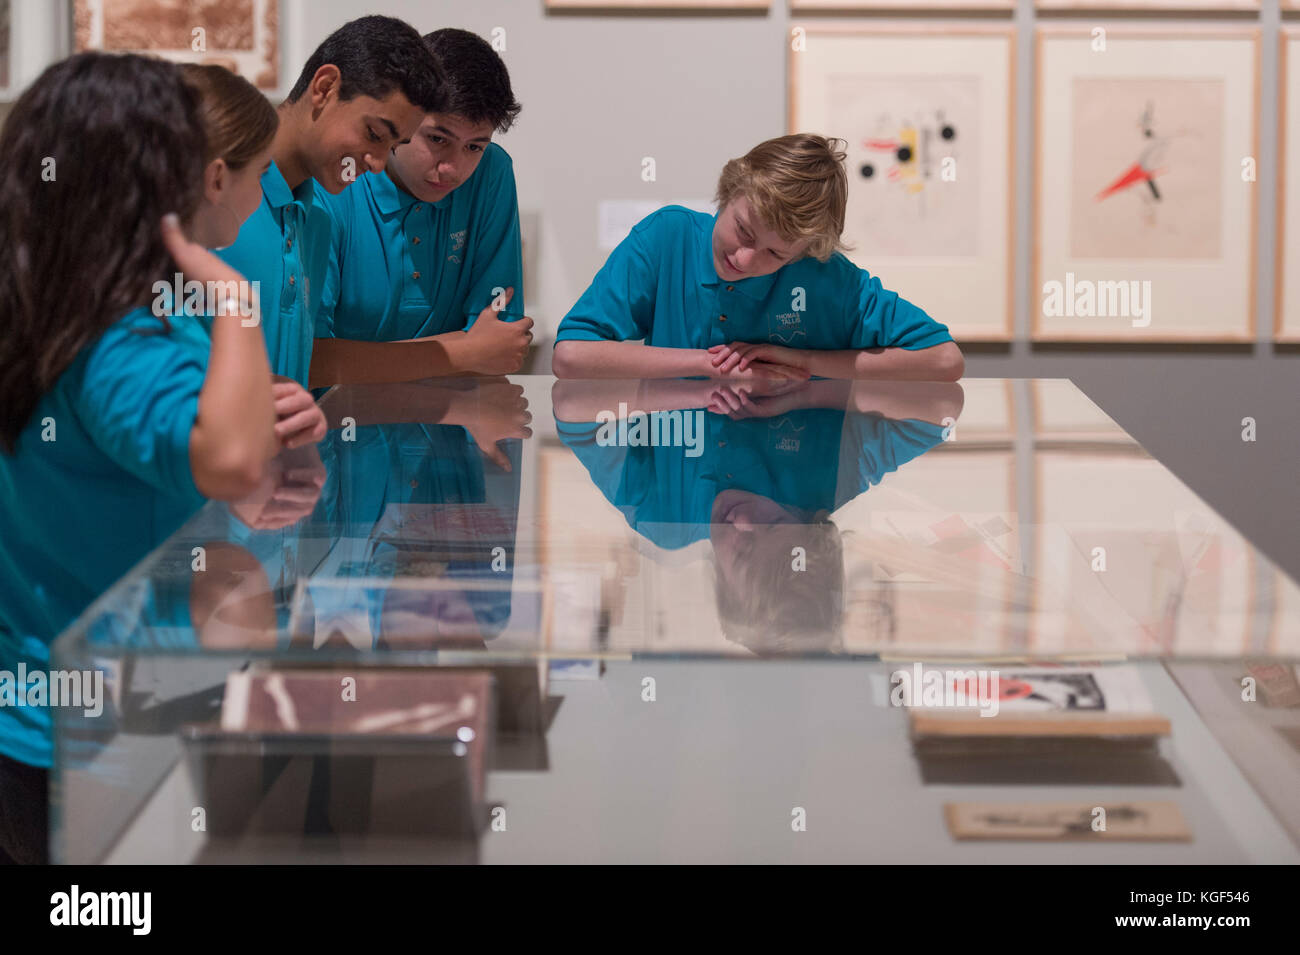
(941, 362)
(582, 400)
(921, 401)
(583, 359)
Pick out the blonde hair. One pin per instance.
(797, 185)
(773, 609)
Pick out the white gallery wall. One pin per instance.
(602, 91)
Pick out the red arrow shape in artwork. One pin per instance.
(1135, 174)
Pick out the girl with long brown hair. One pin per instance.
(120, 408)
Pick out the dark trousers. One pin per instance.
(24, 813)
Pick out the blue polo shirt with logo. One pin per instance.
(660, 285)
(282, 247)
(812, 459)
(401, 268)
(100, 476)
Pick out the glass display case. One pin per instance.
(540, 620)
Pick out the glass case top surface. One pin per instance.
(572, 520)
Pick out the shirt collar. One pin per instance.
(391, 199)
(756, 288)
(388, 198)
(277, 191)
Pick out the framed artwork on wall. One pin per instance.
(241, 35)
(657, 5)
(1065, 418)
(1155, 6)
(924, 575)
(933, 554)
(926, 113)
(1284, 634)
(1286, 321)
(1145, 184)
(1149, 570)
(860, 6)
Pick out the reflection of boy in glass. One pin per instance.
(763, 603)
(429, 504)
(366, 521)
(777, 460)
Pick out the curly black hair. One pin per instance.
(375, 56)
(478, 83)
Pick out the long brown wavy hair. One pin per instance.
(92, 156)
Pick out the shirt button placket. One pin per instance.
(414, 225)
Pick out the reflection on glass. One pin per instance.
(398, 530)
(757, 471)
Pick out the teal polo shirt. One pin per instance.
(812, 459)
(401, 268)
(282, 247)
(660, 285)
(418, 486)
(80, 510)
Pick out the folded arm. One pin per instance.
(616, 359)
(942, 362)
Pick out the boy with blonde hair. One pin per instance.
(759, 289)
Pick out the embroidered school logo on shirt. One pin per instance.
(457, 244)
(783, 435)
(785, 328)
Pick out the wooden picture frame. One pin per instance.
(1284, 628)
(1065, 418)
(659, 6)
(925, 578)
(1160, 540)
(1286, 297)
(951, 243)
(1154, 6)
(873, 6)
(1144, 821)
(1193, 262)
(911, 585)
(246, 41)
(572, 560)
